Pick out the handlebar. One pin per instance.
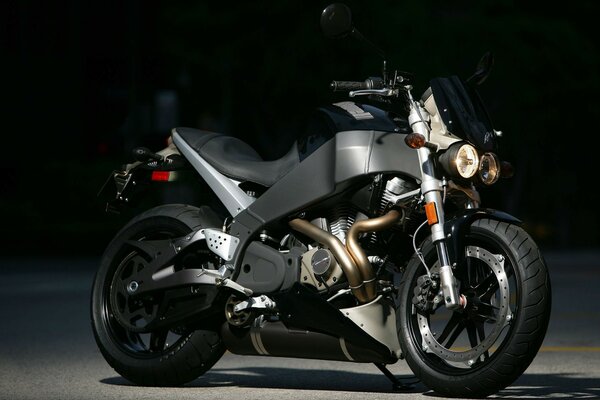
(346, 86)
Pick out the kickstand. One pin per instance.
(397, 383)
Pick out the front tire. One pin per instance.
(470, 352)
(167, 357)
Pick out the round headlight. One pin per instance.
(489, 168)
(466, 160)
(460, 160)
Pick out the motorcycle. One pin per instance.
(365, 243)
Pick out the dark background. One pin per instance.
(84, 82)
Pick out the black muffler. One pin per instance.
(275, 339)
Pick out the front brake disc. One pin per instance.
(429, 342)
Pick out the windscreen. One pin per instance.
(463, 112)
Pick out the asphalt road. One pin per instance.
(47, 350)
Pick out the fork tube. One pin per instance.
(431, 187)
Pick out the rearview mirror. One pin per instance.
(484, 68)
(336, 21)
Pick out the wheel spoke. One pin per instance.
(449, 328)
(137, 273)
(486, 289)
(121, 289)
(481, 334)
(472, 332)
(132, 312)
(135, 340)
(158, 339)
(459, 328)
(133, 316)
(487, 311)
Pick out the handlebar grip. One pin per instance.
(346, 86)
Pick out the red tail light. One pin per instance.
(161, 176)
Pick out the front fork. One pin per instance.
(432, 189)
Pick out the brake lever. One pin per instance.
(379, 92)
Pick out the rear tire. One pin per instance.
(518, 341)
(149, 359)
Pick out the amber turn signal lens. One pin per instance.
(431, 213)
(414, 140)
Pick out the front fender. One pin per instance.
(458, 225)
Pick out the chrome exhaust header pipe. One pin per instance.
(352, 258)
(358, 255)
(344, 258)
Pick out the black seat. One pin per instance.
(236, 159)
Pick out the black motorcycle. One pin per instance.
(366, 242)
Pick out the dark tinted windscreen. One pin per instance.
(463, 112)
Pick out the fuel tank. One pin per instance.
(327, 121)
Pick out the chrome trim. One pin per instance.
(345, 349)
(255, 337)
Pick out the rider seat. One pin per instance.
(236, 159)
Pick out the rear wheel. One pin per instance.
(482, 348)
(157, 357)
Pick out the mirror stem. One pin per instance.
(384, 73)
(357, 35)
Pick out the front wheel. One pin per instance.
(484, 347)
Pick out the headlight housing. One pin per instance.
(460, 160)
(489, 168)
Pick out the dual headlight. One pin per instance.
(462, 161)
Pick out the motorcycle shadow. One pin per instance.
(292, 378)
(530, 386)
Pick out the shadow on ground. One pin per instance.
(529, 386)
(290, 378)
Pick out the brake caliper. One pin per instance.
(427, 294)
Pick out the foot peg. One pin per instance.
(258, 303)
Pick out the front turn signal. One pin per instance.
(415, 140)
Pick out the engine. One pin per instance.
(319, 267)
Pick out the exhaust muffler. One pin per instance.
(275, 339)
